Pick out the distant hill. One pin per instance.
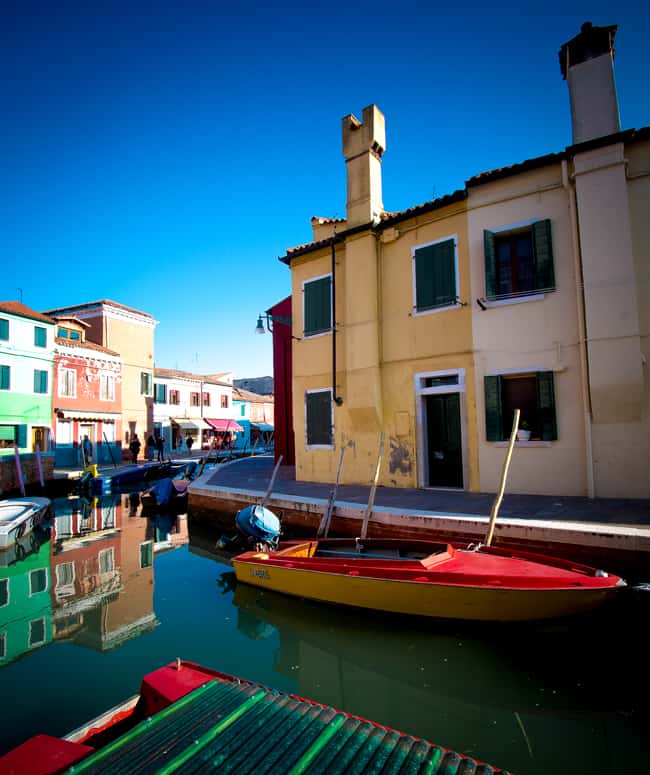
(261, 385)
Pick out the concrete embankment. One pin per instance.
(607, 533)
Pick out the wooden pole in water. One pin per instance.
(324, 527)
(19, 471)
(39, 465)
(373, 490)
(502, 484)
(267, 494)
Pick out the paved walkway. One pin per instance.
(254, 474)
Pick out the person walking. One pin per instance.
(189, 441)
(151, 447)
(87, 449)
(160, 446)
(134, 446)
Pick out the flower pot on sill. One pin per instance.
(523, 435)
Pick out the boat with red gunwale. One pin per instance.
(425, 578)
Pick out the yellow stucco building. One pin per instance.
(523, 290)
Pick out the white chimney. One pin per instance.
(587, 64)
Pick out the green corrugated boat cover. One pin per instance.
(231, 727)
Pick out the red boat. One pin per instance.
(429, 579)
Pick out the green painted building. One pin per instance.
(26, 378)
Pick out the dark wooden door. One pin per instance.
(444, 441)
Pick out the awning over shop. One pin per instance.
(262, 426)
(87, 415)
(225, 425)
(193, 424)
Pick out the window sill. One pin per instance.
(489, 303)
(534, 443)
(418, 313)
(315, 335)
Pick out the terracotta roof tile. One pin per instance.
(18, 308)
(179, 374)
(90, 304)
(85, 346)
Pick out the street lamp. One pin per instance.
(260, 329)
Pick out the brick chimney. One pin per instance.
(587, 64)
(363, 146)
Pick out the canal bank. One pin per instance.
(609, 533)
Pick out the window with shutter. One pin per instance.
(160, 393)
(317, 305)
(519, 262)
(5, 378)
(533, 394)
(145, 383)
(68, 383)
(40, 336)
(319, 422)
(40, 381)
(4, 329)
(435, 281)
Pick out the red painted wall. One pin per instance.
(282, 379)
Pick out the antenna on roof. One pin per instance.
(21, 294)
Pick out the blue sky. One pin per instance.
(164, 155)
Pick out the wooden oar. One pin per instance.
(502, 484)
(373, 489)
(324, 527)
(267, 494)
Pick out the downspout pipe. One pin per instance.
(337, 399)
(569, 187)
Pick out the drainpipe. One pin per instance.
(569, 187)
(337, 399)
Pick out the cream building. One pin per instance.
(527, 289)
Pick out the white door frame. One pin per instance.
(420, 421)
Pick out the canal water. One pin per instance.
(111, 594)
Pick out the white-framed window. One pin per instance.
(37, 581)
(106, 559)
(4, 592)
(518, 260)
(108, 430)
(146, 383)
(319, 419)
(435, 275)
(65, 577)
(67, 382)
(317, 305)
(106, 386)
(37, 632)
(64, 432)
(532, 392)
(146, 554)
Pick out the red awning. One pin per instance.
(224, 425)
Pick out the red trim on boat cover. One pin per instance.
(224, 425)
(43, 755)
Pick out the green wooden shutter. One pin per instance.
(546, 405)
(490, 264)
(319, 418)
(21, 436)
(5, 382)
(318, 306)
(435, 275)
(4, 329)
(493, 409)
(543, 251)
(40, 337)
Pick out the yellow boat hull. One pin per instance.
(422, 598)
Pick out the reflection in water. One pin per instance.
(25, 605)
(513, 696)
